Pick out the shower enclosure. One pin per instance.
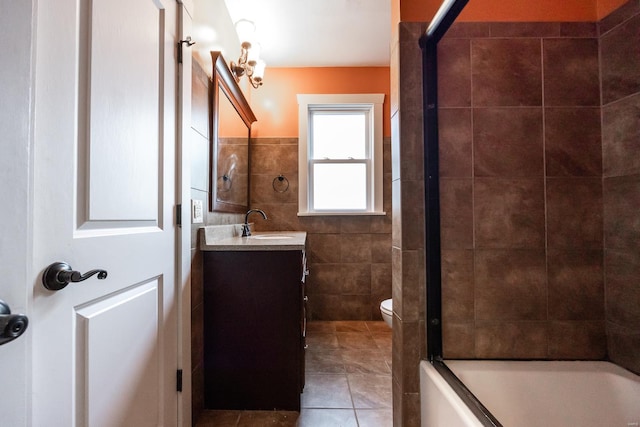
(531, 190)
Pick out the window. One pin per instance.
(340, 154)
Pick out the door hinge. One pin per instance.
(181, 44)
(179, 380)
(179, 215)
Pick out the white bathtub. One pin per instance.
(532, 394)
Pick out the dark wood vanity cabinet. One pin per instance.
(254, 321)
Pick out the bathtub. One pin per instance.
(528, 394)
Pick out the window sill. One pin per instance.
(342, 213)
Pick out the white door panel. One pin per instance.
(133, 320)
(105, 351)
(125, 64)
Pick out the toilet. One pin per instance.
(386, 308)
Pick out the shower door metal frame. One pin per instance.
(443, 19)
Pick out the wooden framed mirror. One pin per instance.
(231, 134)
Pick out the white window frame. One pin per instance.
(334, 102)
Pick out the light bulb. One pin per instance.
(254, 54)
(246, 31)
(258, 70)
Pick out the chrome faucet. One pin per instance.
(246, 230)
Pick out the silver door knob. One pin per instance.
(59, 274)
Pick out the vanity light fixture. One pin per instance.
(249, 63)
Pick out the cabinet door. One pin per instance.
(252, 329)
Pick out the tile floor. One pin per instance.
(348, 381)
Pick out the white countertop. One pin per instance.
(258, 241)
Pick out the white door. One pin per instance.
(105, 351)
(15, 222)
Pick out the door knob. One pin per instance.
(11, 325)
(59, 274)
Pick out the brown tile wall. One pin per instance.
(408, 223)
(540, 183)
(521, 191)
(199, 153)
(620, 73)
(349, 257)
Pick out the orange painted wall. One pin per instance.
(276, 106)
(605, 7)
(514, 10)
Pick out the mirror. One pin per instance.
(231, 132)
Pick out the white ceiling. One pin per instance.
(319, 33)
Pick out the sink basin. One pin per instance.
(271, 236)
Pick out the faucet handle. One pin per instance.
(246, 230)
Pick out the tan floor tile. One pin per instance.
(378, 326)
(321, 326)
(370, 391)
(383, 340)
(326, 391)
(322, 341)
(351, 326)
(323, 361)
(218, 419)
(356, 340)
(268, 418)
(364, 361)
(375, 417)
(327, 418)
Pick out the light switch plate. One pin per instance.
(197, 213)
